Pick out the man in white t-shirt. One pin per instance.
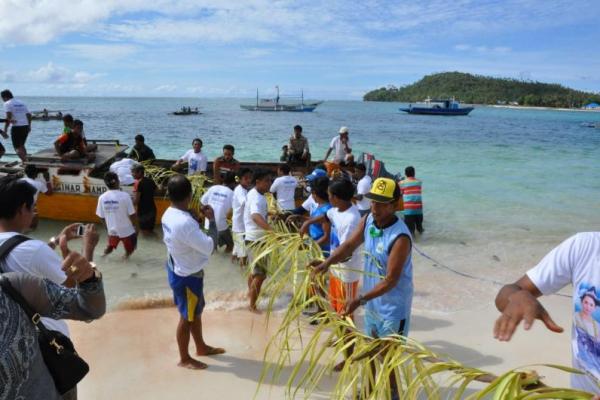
(34, 256)
(122, 167)
(196, 160)
(220, 199)
(576, 262)
(255, 222)
(341, 148)
(284, 188)
(188, 252)
(237, 220)
(363, 187)
(116, 209)
(19, 117)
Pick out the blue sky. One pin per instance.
(331, 49)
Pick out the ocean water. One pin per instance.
(501, 186)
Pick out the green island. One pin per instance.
(478, 89)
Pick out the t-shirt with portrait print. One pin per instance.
(576, 261)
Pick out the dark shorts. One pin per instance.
(147, 220)
(18, 135)
(414, 222)
(129, 242)
(2, 149)
(259, 268)
(188, 293)
(225, 238)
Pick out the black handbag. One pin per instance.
(63, 362)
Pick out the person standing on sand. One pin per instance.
(237, 220)
(387, 281)
(576, 262)
(188, 252)
(284, 188)
(255, 222)
(220, 199)
(19, 117)
(413, 201)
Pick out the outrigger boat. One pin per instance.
(78, 184)
(275, 104)
(190, 112)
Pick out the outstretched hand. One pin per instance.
(522, 305)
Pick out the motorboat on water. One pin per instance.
(46, 115)
(448, 107)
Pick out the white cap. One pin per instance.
(344, 129)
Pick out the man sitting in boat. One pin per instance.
(70, 146)
(140, 152)
(224, 164)
(195, 159)
(342, 151)
(298, 151)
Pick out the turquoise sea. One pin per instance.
(501, 183)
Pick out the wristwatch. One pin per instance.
(361, 300)
(54, 241)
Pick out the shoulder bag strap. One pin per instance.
(9, 244)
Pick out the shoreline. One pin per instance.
(538, 108)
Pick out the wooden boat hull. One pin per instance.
(80, 207)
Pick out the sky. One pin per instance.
(331, 49)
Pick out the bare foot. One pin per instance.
(210, 351)
(192, 364)
(254, 310)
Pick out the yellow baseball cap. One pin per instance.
(383, 191)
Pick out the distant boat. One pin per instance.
(276, 104)
(591, 124)
(46, 115)
(438, 107)
(188, 111)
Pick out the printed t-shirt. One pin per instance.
(576, 261)
(115, 207)
(123, 170)
(187, 245)
(18, 111)
(363, 187)
(285, 188)
(411, 195)
(39, 186)
(256, 203)
(339, 150)
(197, 162)
(220, 198)
(343, 224)
(146, 188)
(34, 257)
(237, 203)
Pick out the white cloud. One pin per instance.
(165, 88)
(99, 52)
(49, 74)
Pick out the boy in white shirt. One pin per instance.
(237, 226)
(363, 187)
(19, 117)
(255, 223)
(116, 209)
(220, 198)
(195, 158)
(284, 188)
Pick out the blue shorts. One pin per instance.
(188, 293)
(378, 327)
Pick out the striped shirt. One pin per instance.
(411, 194)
